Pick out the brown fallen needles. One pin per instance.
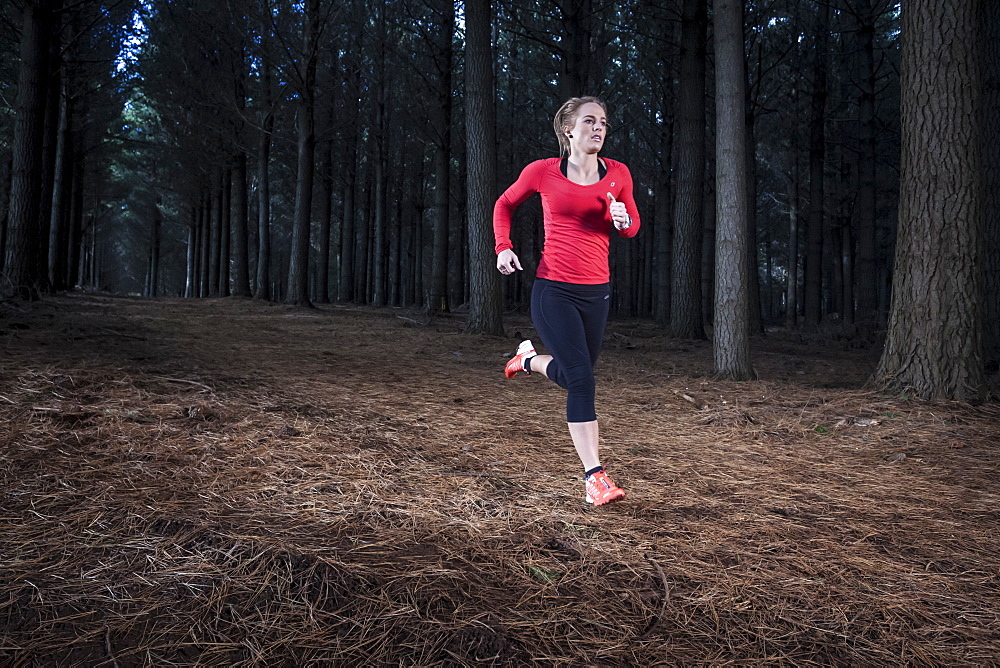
(215, 482)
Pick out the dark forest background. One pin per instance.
(832, 165)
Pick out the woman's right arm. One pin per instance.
(525, 186)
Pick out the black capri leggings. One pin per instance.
(570, 320)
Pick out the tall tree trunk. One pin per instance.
(75, 234)
(21, 275)
(399, 194)
(240, 228)
(298, 266)
(262, 287)
(362, 226)
(350, 134)
(792, 267)
(444, 30)
(866, 275)
(685, 296)
(59, 216)
(458, 234)
(153, 268)
(731, 341)
(207, 234)
(225, 231)
(215, 236)
(347, 233)
(933, 347)
(485, 301)
(263, 280)
(659, 255)
(298, 269)
(5, 170)
(438, 299)
(50, 145)
(661, 261)
(813, 295)
(989, 48)
(708, 248)
(756, 324)
(94, 256)
(845, 244)
(576, 46)
(190, 275)
(324, 215)
(381, 130)
(378, 258)
(792, 121)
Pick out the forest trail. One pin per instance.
(243, 483)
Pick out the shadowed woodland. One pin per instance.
(251, 388)
(352, 151)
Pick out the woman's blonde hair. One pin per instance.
(566, 117)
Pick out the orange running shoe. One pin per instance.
(525, 351)
(601, 490)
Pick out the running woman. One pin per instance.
(584, 199)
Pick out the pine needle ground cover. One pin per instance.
(221, 482)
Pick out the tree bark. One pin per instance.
(298, 266)
(202, 249)
(933, 347)
(574, 47)
(240, 228)
(685, 295)
(21, 275)
(347, 232)
(362, 227)
(153, 267)
(485, 302)
(5, 171)
(190, 275)
(53, 83)
(225, 231)
(380, 168)
(215, 235)
(756, 325)
(324, 215)
(813, 294)
(205, 245)
(445, 28)
(262, 288)
(989, 48)
(59, 216)
(791, 287)
(731, 340)
(75, 234)
(661, 262)
(865, 270)
(350, 133)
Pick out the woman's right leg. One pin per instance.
(556, 315)
(559, 323)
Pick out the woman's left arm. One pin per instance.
(625, 197)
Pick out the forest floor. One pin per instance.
(225, 482)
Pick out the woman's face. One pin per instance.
(589, 129)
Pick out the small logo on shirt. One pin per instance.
(606, 296)
(612, 184)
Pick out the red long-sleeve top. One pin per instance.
(577, 219)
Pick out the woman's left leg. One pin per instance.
(586, 435)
